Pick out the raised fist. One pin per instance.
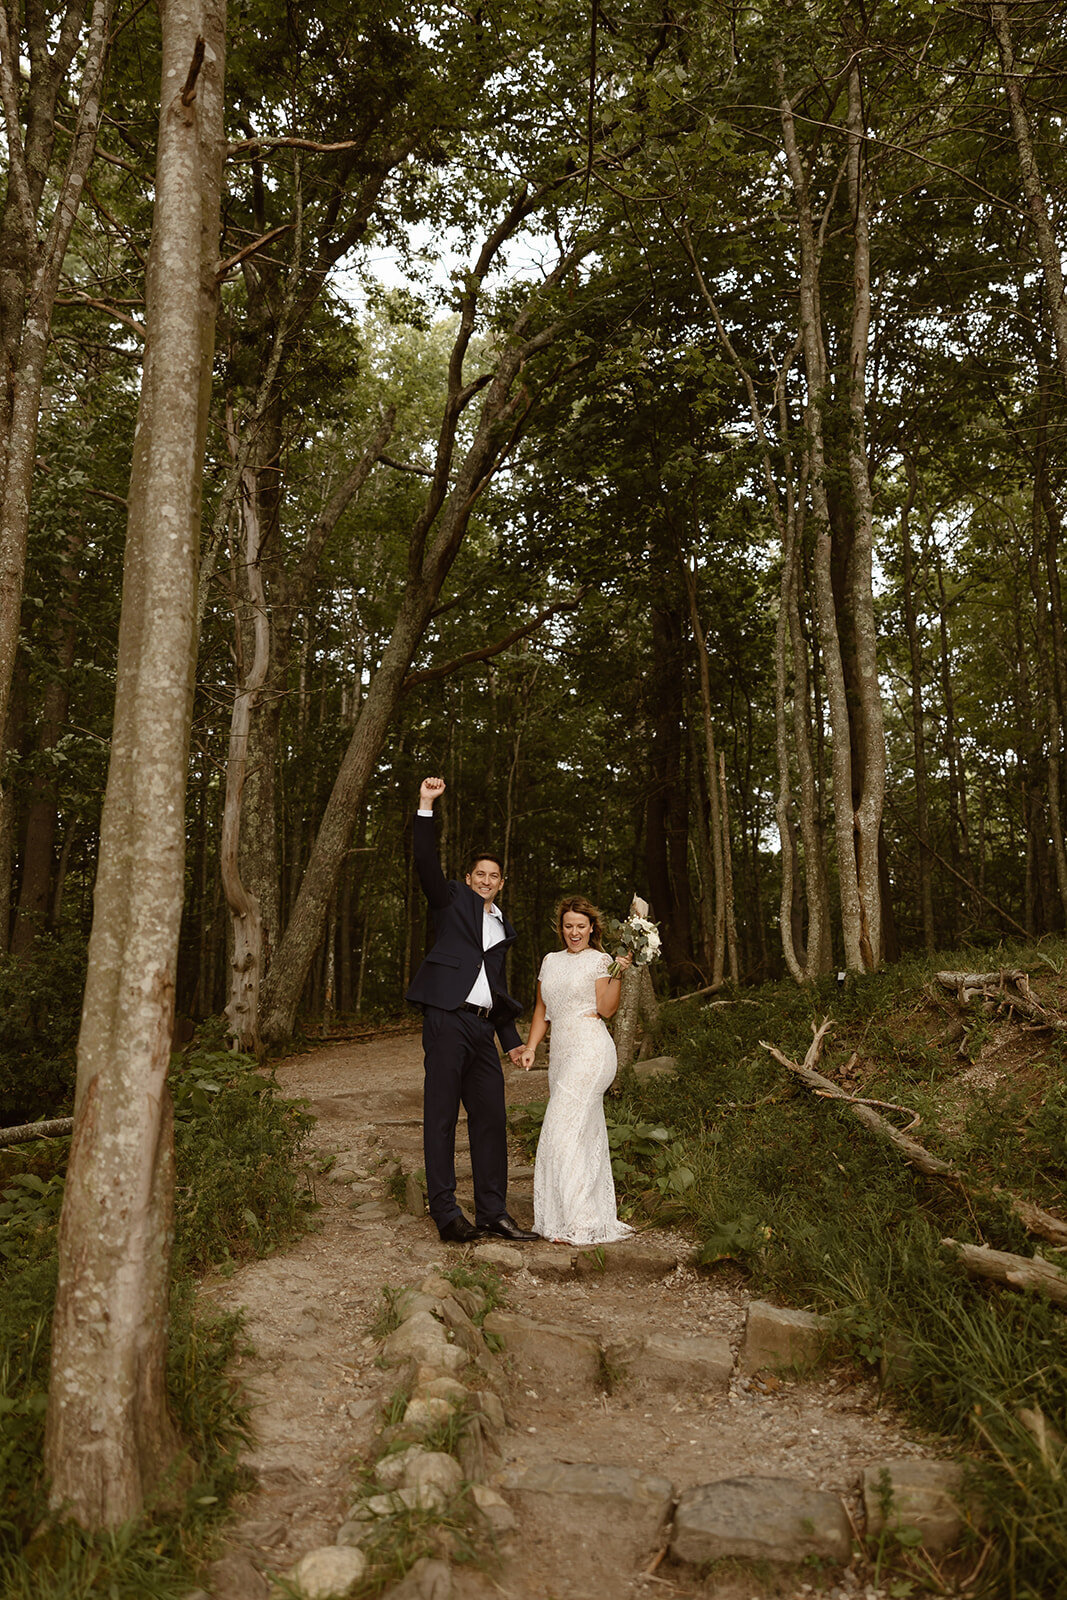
(432, 789)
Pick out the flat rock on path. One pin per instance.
(639, 1416)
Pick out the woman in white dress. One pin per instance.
(574, 1193)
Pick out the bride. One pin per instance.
(574, 1195)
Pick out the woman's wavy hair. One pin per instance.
(582, 908)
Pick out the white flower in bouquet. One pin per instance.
(638, 935)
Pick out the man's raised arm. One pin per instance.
(434, 886)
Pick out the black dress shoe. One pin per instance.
(506, 1227)
(460, 1231)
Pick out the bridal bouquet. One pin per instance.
(637, 934)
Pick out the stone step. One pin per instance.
(778, 1338)
(760, 1519)
(559, 1353)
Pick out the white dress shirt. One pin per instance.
(492, 933)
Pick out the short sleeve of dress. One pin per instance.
(603, 964)
(541, 974)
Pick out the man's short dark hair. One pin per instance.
(484, 855)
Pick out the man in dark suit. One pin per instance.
(461, 989)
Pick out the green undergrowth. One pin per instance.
(240, 1192)
(821, 1213)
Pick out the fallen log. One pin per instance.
(1031, 1273)
(36, 1130)
(1011, 987)
(1033, 1218)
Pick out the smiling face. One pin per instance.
(486, 879)
(576, 931)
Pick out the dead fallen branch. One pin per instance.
(933, 1166)
(1033, 1218)
(1031, 1273)
(36, 1130)
(1010, 988)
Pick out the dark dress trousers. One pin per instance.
(462, 1065)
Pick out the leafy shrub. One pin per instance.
(236, 1142)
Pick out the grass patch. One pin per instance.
(239, 1193)
(821, 1213)
(485, 1281)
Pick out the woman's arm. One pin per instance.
(609, 990)
(538, 1029)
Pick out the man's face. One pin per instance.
(486, 879)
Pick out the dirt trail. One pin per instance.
(318, 1389)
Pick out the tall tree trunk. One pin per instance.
(109, 1437)
(854, 931)
(715, 823)
(918, 714)
(250, 615)
(869, 780)
(31, 262)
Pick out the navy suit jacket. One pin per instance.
(447, 976)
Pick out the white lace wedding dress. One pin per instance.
(574, 1193)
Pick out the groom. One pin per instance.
(461, 989)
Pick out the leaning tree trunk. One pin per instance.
(434, 542)
(109, 1438)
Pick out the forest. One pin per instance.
(650, 416)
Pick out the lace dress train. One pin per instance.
(574, 1192)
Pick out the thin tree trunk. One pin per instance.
(30, 266)
(246, 962)
(918, 734)
(109, 1437)
(854, 932)
(728, 874)
(712, 766)
(871, 734)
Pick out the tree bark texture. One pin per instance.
(31, 256)
(246, 961)
(109, 1438)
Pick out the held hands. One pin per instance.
(526, 1058)
(517, 1057)
(432, 789)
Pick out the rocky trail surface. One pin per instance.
(620, 1433)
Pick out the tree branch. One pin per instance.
(445, 670)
